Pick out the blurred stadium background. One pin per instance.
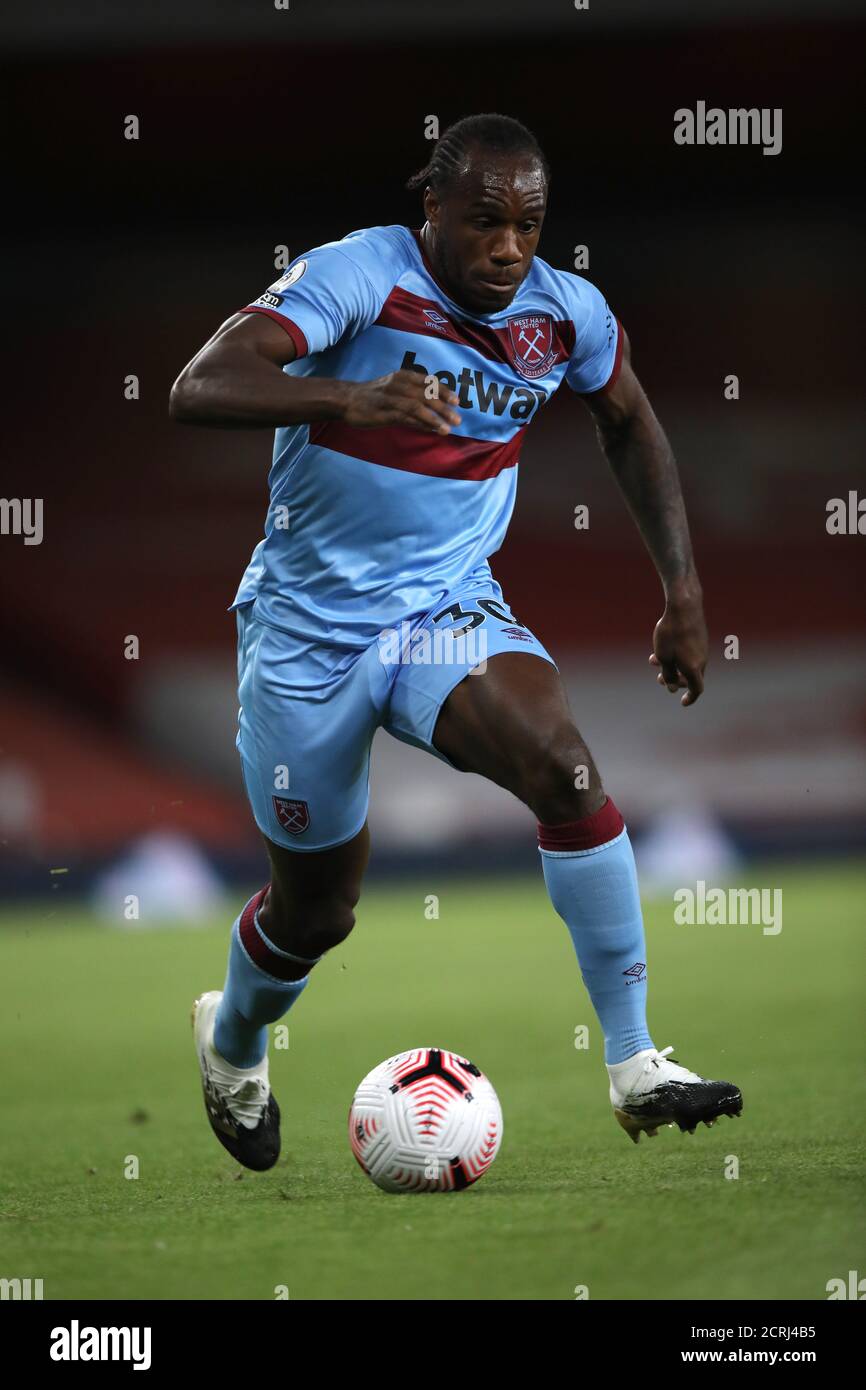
(265, 127)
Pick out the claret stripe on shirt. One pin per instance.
(406, 312)
(412, 451)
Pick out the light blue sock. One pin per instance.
(252, 996)
(595, 892)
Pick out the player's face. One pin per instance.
(484, 231)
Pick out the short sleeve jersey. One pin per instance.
(367, 528)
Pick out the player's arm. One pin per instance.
(236, 381)
(642, 462)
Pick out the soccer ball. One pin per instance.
(425, 1121)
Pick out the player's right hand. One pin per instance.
(402, 398)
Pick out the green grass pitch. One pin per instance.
(98, 1065)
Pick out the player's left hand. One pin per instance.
(680, 645)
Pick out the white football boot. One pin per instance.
(647, 1091)
(241, 1108)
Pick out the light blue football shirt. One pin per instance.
(367, 528)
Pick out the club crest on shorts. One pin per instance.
(532, 347)
(293, 816)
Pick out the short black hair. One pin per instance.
(490, 131)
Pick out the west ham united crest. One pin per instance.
(293, 816)
(532, 346)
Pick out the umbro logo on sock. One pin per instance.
(637, 972)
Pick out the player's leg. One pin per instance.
(284, 930)
(483, 694)
(306, 722)
(513, 725)
(310, 902)
(281, 934)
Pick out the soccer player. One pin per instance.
(400, 369)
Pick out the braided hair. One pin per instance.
(498, 134)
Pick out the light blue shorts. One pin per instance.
(308, 712)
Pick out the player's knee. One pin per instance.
(313, 923)
(560, 780)
(330, 921)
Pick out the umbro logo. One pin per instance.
(636, 971)
(437, 320)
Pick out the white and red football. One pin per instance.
(425, 1121)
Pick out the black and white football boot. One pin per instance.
(647, 1091)
(240, 1106)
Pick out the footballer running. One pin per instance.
(400, 370)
